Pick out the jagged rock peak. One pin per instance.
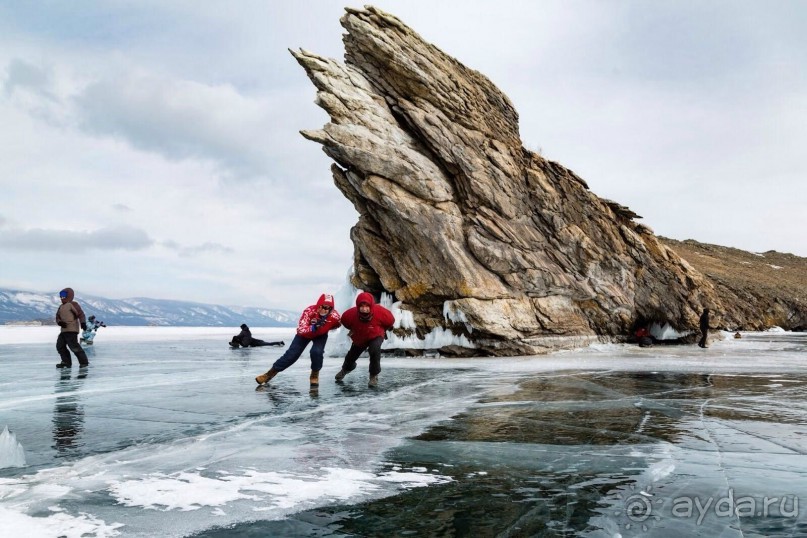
(455, 215)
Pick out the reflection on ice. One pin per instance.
(168, 437)
(68, 414)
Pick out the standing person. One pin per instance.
(313, 327)
(368, 324)
(245, 339)
(704, 326)
(70, 317)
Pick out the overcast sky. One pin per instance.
(151, 148)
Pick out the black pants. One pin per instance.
(374, 347)
(704, 334)
(70, 340)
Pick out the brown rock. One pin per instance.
(455, 211)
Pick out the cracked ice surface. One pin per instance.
(165, 435)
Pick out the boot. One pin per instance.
(341, 374)
(314, 379)
(264, 378)
(373, 382)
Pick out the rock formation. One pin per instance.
(757, 290)
(457, 216)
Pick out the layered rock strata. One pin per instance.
(455, 215)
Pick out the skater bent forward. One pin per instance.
(368, 324)
(313, 327)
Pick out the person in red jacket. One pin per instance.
(313, 327)
(368, 324)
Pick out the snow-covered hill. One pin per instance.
(27, 306)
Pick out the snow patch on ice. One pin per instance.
(183, 491)
(188, 491)
(57, 524)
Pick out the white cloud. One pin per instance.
(190, 251)
(25, 75)
(180, 120)
(118, 238)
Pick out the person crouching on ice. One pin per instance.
(313, 327)
(368, 324)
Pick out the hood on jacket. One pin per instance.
(70, 294)
(325, 299)
(244, 327)
(365, 297)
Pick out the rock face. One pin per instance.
(457, 216)
(757, 290)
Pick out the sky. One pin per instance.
(152, 148)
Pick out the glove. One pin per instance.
(83, 326)
(62, 324)
(316, 324)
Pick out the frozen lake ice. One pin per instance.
(165, 435)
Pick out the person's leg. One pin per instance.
(349, 364)
(702, 342)
(61, 347)
(375, 355)
(287, 359)
(293, 353)
(72, 342)
(317, 356)
(318, 352)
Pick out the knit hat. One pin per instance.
(325, 299)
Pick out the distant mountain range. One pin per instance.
(18, 306)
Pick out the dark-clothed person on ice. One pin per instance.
(245, 339)
(70, 317)
(704, 326)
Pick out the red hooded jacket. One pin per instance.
(312, 325)
(361, 332)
